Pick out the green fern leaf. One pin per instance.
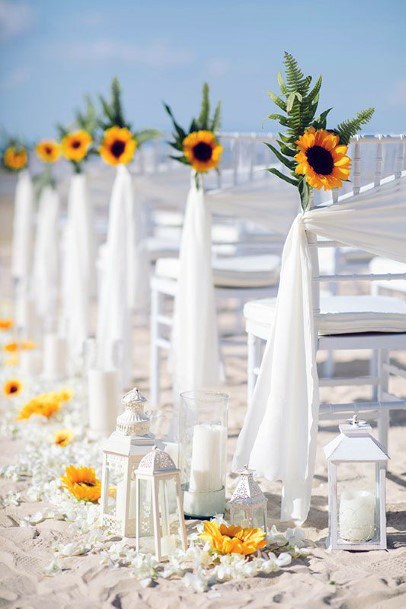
(277, 100)
(203, 119)
(282, 176)
(349, 128)
(287, 162)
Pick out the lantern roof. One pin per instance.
(355, 443)
(133, 397)
(133, 421)
(247, 491)
(157, 461)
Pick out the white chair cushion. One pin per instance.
(343, 314)
(380, 266)
(233, 271)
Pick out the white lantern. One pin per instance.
(357, 495)
(160, 525)
(122, 452)
(247, 506)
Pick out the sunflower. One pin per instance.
(41, 405)
(75, 145)
(6, 323)
(48, 151)
(63, 437)
(118, 146)
(16, 346)
(202, 150)
(12, 387)
(229, 539)
(82, 483)
(322, 159)
(15, 158)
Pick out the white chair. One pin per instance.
(375, 323)
(382, 266)
(238, 278)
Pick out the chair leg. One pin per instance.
(155, 355)
(384, 414)
(374, 370)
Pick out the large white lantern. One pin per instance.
(247, 506)
(160, 525)
(357, 495)
(122, 452)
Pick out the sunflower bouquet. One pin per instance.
(198, 146)
(315, 155)
(14, 155)
(77, 141)
(119, 140)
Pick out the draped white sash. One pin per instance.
(195, 351)
(278, 438)
(23, 228)
(79, 265)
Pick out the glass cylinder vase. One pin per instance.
(203, 452)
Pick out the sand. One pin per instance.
(341, 580)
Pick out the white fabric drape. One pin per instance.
(79, 265)
(46, 255)
(279, 434)
(195, 352)
(118, 285)
(23, 229)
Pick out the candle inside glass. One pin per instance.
(103, 401)
(357, 515)
(207, 467)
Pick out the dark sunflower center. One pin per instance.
(86, 483)
(48, 150)
(75, 144)
(117, 148)
(320, 160)
(202, 151)
(13, 388)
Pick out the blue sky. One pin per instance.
(53, 52)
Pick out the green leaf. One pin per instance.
(277, 100)
(287, 162)
(282, 176)
(203, 119)
(181, 133)
(145, 135)
(321, 121)
(215, 123)
(349, 128)
(286, 150)
(281, 119)
(304, 191)
(282, 84)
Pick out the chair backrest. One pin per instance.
(315, 243)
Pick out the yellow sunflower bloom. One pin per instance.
(48, 151)
(16, 346)
(12, 387)
(63, 437)
(12, 361)
(75, 145)
(43, 406)
(118, 146)
(322, 159)
(15, 158)
(202, 150)
(229, 539)
(6, 323)
(82, 483)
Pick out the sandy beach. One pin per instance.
(340, 580)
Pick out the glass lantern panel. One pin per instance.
(239, 517)
(169, 516)
(259, 518)
(357, 502)
(116, 467)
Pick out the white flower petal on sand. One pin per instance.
(284, 559)
(53, 568)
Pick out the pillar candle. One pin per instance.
(207, 466)
(357, 515)
(103, 401)
(30, 362)
(55, 357)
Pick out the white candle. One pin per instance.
(168, 545)
(55, 357)
(121, 502)
(357, 515)
(103, 401)
(26, 317)
(207, 466)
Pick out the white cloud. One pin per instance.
(15, 78)
(16, 18)
(397, 96)
(217, 68)
(156, 55)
